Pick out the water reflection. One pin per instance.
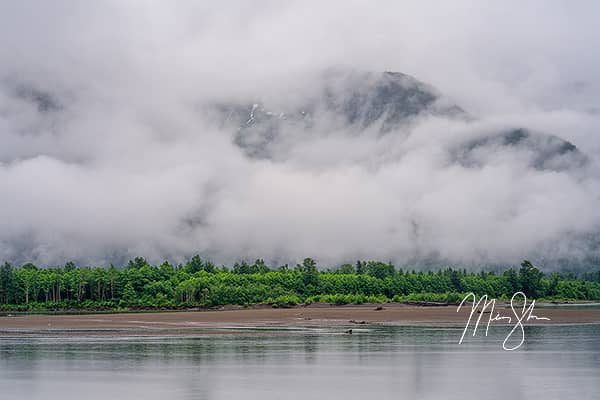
(382, 362)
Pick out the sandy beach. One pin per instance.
(221, 321)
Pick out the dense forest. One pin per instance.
(199, 283)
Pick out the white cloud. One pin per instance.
(127, 163)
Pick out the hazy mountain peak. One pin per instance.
(348, 100)
(358, 102)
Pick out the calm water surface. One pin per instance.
(556, 362)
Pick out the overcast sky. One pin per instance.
(121, 161)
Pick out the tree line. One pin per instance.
(199, 283)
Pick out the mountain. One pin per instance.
(542, 151)
(359, 103)
(348, 100)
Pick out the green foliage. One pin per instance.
(283, 301)
(530, 278)
(129, 295)
(346, 269)
(7, 284)
(380, 270)
(450, 298)
(198, 283)
(341, 299)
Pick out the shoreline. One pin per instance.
(237, 321)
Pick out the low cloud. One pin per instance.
(107, 150)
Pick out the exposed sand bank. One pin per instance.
(207, 322)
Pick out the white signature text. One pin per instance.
(520, 315)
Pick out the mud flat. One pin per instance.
(226, 321)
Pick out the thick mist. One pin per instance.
(109, 148)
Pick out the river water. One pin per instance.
(555, 362)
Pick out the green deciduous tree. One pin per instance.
(530, 278)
